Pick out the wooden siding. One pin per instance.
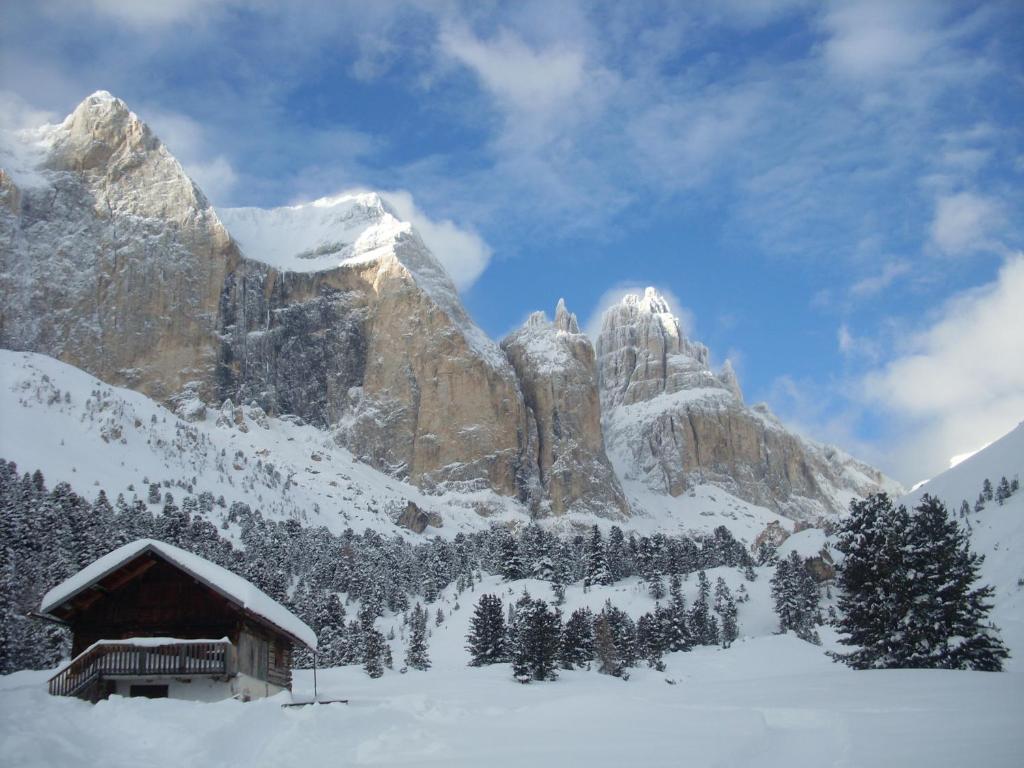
(159, 601)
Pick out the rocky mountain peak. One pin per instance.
(564, 319)
(556, 369)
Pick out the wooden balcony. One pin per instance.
(106, 660)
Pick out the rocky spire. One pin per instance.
(554, 363)
(564, 319)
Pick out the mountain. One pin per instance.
(334, 315)
(671, 423)
(556, 369)
(118, 264)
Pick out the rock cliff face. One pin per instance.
(556, 369)
(103, 245)
(336, 312)
(670, 423)
(114, 261)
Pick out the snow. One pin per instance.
(154, 642)
(768, 702)
(806, 543)
(312, 237)
(231, 585)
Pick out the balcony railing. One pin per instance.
(141, 658)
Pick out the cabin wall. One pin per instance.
(161, 602)
(265, 656)
(206, 689)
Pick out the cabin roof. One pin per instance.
(232, 586)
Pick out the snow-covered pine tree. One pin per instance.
(725, 607)
(373, 652)
(980, 503)
(908, 593)
(512, 567)
(577, 648)
(416, 653)
(674, 616)
(871, 580)
(650, 640)
(944, 618)
(986, 489)
(604, 648)
(616, 554)
(1003, 490)
(486, 638)
(536, 640)
(796, 598)
(702, 625)
(597, 564)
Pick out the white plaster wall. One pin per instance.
(203, 688)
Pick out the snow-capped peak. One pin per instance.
(329, 232)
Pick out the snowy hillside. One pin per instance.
(997, 531)
(77, 429)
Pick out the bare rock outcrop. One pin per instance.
(670, 422)
(111, 259)
(556, 369)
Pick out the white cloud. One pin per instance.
(153, 13)
(854, 346)
(961, 382)
(522, 78)
(611, 297)
(870, 286)
(463, 252)
(17, 114)
(877, 38)
(964, 222)
(682, 140)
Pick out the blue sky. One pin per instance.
(831, 193)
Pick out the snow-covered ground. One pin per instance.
(773, 701)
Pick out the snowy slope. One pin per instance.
(77, 429)
(997, 531)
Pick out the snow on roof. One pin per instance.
(231, 585)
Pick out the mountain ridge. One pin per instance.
(337, 312)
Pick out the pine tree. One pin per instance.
(675, 630)
(986, 489)
(597, 565)
(965, 509)
(702, 625)
(944, 618)
(416, 655)
(908, 593)
(796, 598)
(650, 640)
(486, 638)
(373, 652)
(512, 567)
(980, 503)
(536, 638)
(604, 648)
(577, 649)
(616, 553)
(1003, 490)
(725, 607)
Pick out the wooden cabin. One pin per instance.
(150, 619)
